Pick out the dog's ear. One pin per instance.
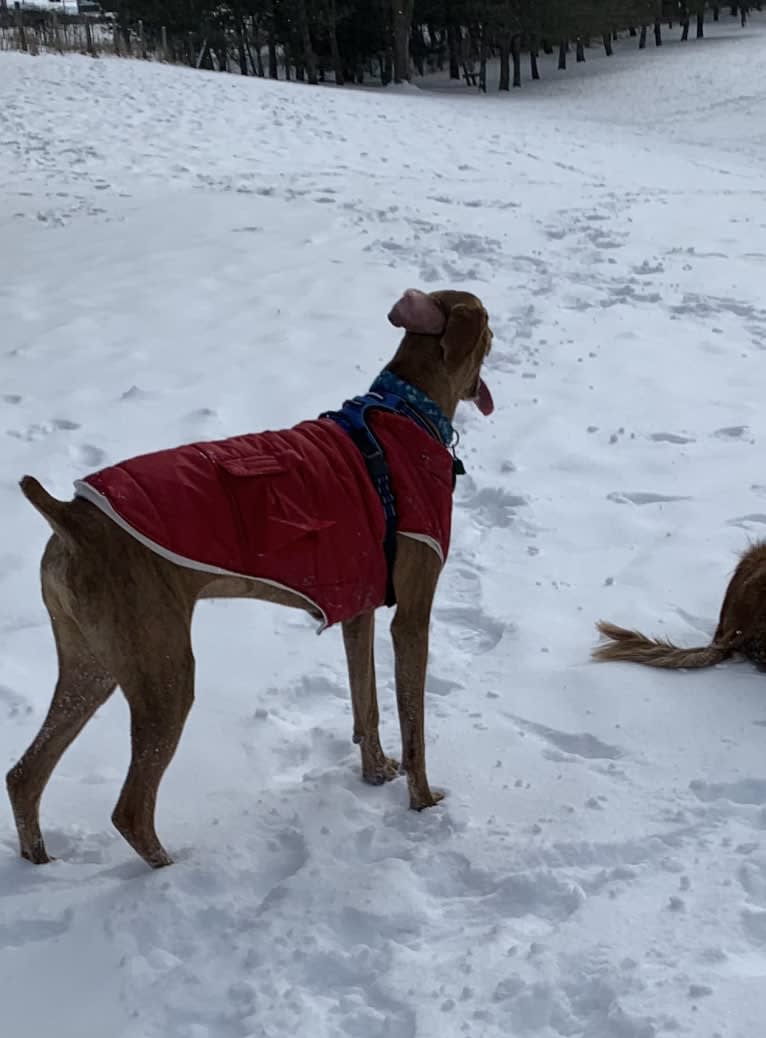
(417, 312)
(465, 324)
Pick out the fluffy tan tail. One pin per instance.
(55, 511)
(634, 647)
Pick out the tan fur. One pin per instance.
(741, 626)
(637, 648)
(133, 630)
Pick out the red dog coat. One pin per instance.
(295, 508)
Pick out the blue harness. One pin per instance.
(394, 395)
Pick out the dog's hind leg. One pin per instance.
(158, 682)
(359, 641)
(83, 686)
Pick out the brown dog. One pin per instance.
(741, 626)
(133, 628)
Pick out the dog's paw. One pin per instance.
(37, 854)
(420, 803)
(384, 770)
(159, 860)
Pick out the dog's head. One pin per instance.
(460, 323)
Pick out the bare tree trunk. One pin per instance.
(256, 66)
(55, 27)
(453, 43)
(562, 55)
(700, 25)
(243, 69)
(505, 67)
(607, 39)
(533, 54)
(402, 12)
(437, 39)
(418, 49)
(337, 63)
(658, 34)
(580, 49)
(684, 23)
(483, 60)
(547, 47)
(716, 13)
(469, 51)
(308, 56)
(22, 35)
(516, 54)
(273, 67)
(258, 63)
(642, 38)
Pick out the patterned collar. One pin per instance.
(387, 382)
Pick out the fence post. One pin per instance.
(55, 26)
(20, 26)
(89, 39)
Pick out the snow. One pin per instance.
(189, 255)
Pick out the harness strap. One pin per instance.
(352, 418)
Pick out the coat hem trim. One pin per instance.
(89, 493)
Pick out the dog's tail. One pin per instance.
(55, 511)
(634, 647)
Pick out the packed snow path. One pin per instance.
(186, 255)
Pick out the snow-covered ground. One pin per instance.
(186, 255)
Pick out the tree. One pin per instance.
(349, 40)
(402, 11)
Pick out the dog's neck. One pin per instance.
(427, 408)
(423, 368)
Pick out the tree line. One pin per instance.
(360, 41)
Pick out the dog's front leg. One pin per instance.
(415, 576)
(359, 641)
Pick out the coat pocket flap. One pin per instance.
(263, 465)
